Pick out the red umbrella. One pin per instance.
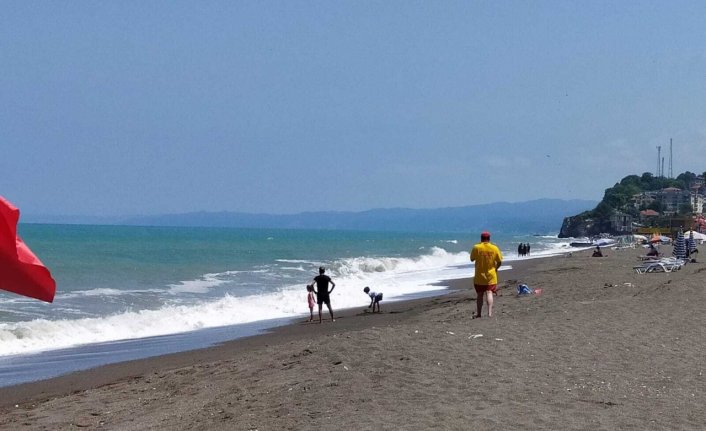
(21, 271)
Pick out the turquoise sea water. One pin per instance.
(117, 283)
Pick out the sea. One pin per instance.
(126, 292)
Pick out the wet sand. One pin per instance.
(601, 348)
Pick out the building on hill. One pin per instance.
(698, 186)
(644, 214)
(644, 199)
(621, 223)
(671, 200)
(697, 203)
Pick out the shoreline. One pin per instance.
(19, 370)
(602, 347)
(346, 319)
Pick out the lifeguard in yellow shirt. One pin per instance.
(488, 259)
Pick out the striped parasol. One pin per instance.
(680, 246)
(691, 243)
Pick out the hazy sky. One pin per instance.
(145, 107)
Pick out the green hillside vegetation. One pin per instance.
(619, 197)
(620, 200)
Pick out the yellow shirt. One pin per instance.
(487, 258)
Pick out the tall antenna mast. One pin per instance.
(662, 167)
(671, 174)
(659, 160)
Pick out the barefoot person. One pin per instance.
(310, 301)
(322, 293)
(488, 259)
(375, 298)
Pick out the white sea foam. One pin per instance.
(204, 283)
(201, 285)
(294, 261)
(360, 266)
(396, 277)
(103, 291)
(42, 334)
(294, 268)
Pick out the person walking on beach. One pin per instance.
(322, 293)
(488, 259)
(310, 300)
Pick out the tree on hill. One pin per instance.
(620, 196)
(656, 206)
(686, 179)
(603, 210)
(685, 209)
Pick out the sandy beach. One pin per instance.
(602, 348)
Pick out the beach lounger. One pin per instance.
(673, 261)
(656, 267)
(642, 269)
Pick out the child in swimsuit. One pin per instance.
(311, 300)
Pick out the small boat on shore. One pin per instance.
(581, 242)
(600, 242)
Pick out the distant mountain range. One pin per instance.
(538, 216)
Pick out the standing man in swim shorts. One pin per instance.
(322, 293)
(488, 259)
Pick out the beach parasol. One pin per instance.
(604, 242)
(696, 235)
(21, 271)
(679, 246)
(691, 243)
(660, 239)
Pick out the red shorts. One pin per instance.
(482, 289)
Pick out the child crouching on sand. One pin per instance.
(311, 300)
(375, 298)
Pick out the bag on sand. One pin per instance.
(523, 289)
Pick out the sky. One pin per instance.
(153, 107)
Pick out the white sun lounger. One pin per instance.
(662, 265)
(656, 267)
